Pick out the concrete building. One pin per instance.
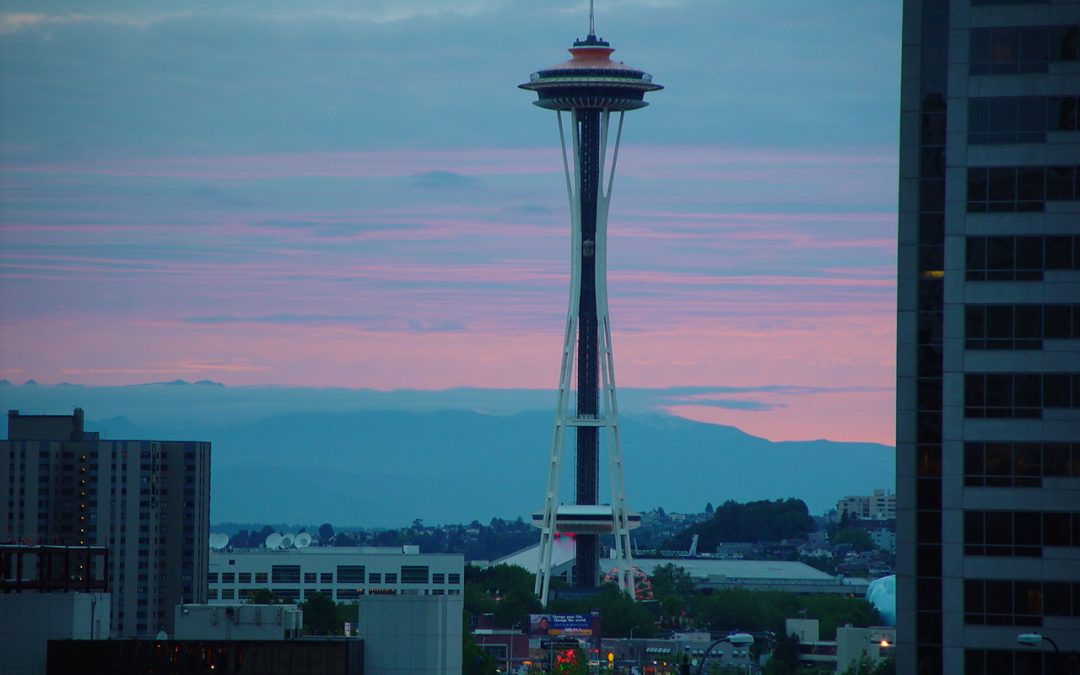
(879, 506)
(988, 352)
(147, 501)
(345, 574)
(875, 643)
(414, 635)
(49, 593)
(238, 622)
(29, 620)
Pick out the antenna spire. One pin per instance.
(592, 23)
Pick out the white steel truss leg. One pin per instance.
(609, 416)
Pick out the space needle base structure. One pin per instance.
(595, 93)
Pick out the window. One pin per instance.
(1015, 259)
(228, 594)
(348, 593)
(1017, 603)
(1019, 326)
(1018, 533)
(326, 578)
(309, 577)
(350, 574)
(1001, 662)
(1028, 49)
(1019, 188)
(244, 577)
(1019, 394)
(285, 574)
(1012, 119)
(391, 577)
(995, 464)
(212, 578)
(228, 577)
(438, 578)
(414, 574)
(374, 578)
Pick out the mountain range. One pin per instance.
(367, 458)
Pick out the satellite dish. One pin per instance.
(273, 541)
(219, 540)
(286, 541)
(302, 540)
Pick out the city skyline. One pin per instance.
(340, 197)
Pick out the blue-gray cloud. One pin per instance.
(253, 79)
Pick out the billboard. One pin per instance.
(571, 625)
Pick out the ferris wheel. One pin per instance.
(642, 584)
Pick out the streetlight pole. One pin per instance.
(1035, 639)
(735, 639)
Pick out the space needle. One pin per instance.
(595, 92)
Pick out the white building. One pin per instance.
(879, 506)
(345, 574)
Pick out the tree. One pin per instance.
(709, 510)
(263, 596)
(326, 533)
(506, 591)
(867, 666)
(785, 656)
(856, 536)
(475, 661)
(762, 520)
(673, 588)
(322, 616)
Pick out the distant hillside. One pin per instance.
(763, 520)
(359, 464)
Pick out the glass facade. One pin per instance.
(988, 360)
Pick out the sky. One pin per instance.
(356, 194)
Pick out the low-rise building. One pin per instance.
(238, 622)
(852, 644)
(419, 635)
(344, 574)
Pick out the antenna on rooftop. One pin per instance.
(592, 22)
(219, 540)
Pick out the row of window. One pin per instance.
(1006, 662)
(1019, 394)
(1021, 49)
(298, 594)
(1020, 188)
(1018, 603)
(1019, 326)
(1020, 119)
(1019, 464)
(1022, 258)
(346, 574)
(1018, 533)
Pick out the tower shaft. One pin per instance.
(587, 479)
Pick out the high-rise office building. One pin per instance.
(147, 501)
(988, 357)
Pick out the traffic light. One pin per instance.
(610, 658)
